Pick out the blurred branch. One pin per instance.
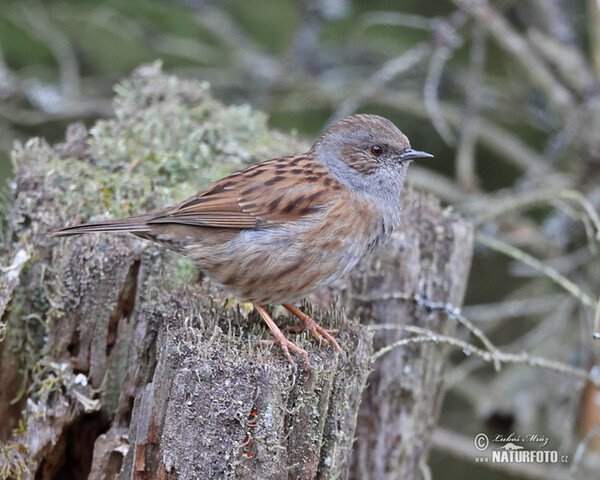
(593, 24)
(496, 356)
(563, 264)
(393, 18)
(493, 312)
(514, 43)
(445, 34)
(436, 183)
(497, 205)
(560, 44)
(465, 154)
(557, 21)
(440, 56)
(88, 108)
(583, 445)
(565, 58)
(390, 70)
(534, 263)
(558, 142)
(247, 55)
(188, 48)
(37, 23)
(9, 84)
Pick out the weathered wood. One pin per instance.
(119, 363)
(218, 407)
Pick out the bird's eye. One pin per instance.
(376, 150)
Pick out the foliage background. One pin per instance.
(504, 94)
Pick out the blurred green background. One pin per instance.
(503, 93)
(60, 59)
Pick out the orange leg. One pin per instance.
(318, 331)
(285, 344)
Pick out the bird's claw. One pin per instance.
(315, 329)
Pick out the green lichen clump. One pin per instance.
(169, 139)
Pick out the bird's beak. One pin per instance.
(410, 154)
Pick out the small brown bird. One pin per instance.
(283, 228)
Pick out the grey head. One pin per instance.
(367, 153)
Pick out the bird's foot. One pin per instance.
(287, 345)
(317, 330)
(280, 339)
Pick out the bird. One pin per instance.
(283, 228)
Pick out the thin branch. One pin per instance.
(534, 263)
(582, 447)
(500, 205)
(563, 264)
(390, 70)
(440, 56)
(438, 184)
(597, 321)
(465, 154)
(493, 312)
(393, 18)
(38, 24)
(426, 336)
(450, 311)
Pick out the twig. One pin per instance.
(426, 336)
(440, 56)
(390, 70)
(500, 205)
(597, 321)
(438, 184)
(582, 446)
(587, 206)
(563, 264)
(393, 18)
(449, 310)
(577, 215)
(514, 308)
(465, 155)
(42, 28)
(534, 263)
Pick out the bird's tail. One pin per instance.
(137, 224)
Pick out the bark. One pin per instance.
(117, 363)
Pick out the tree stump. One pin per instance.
(117, 362)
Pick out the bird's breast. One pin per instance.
(286, 262)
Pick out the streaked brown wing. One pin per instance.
(274, 191)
